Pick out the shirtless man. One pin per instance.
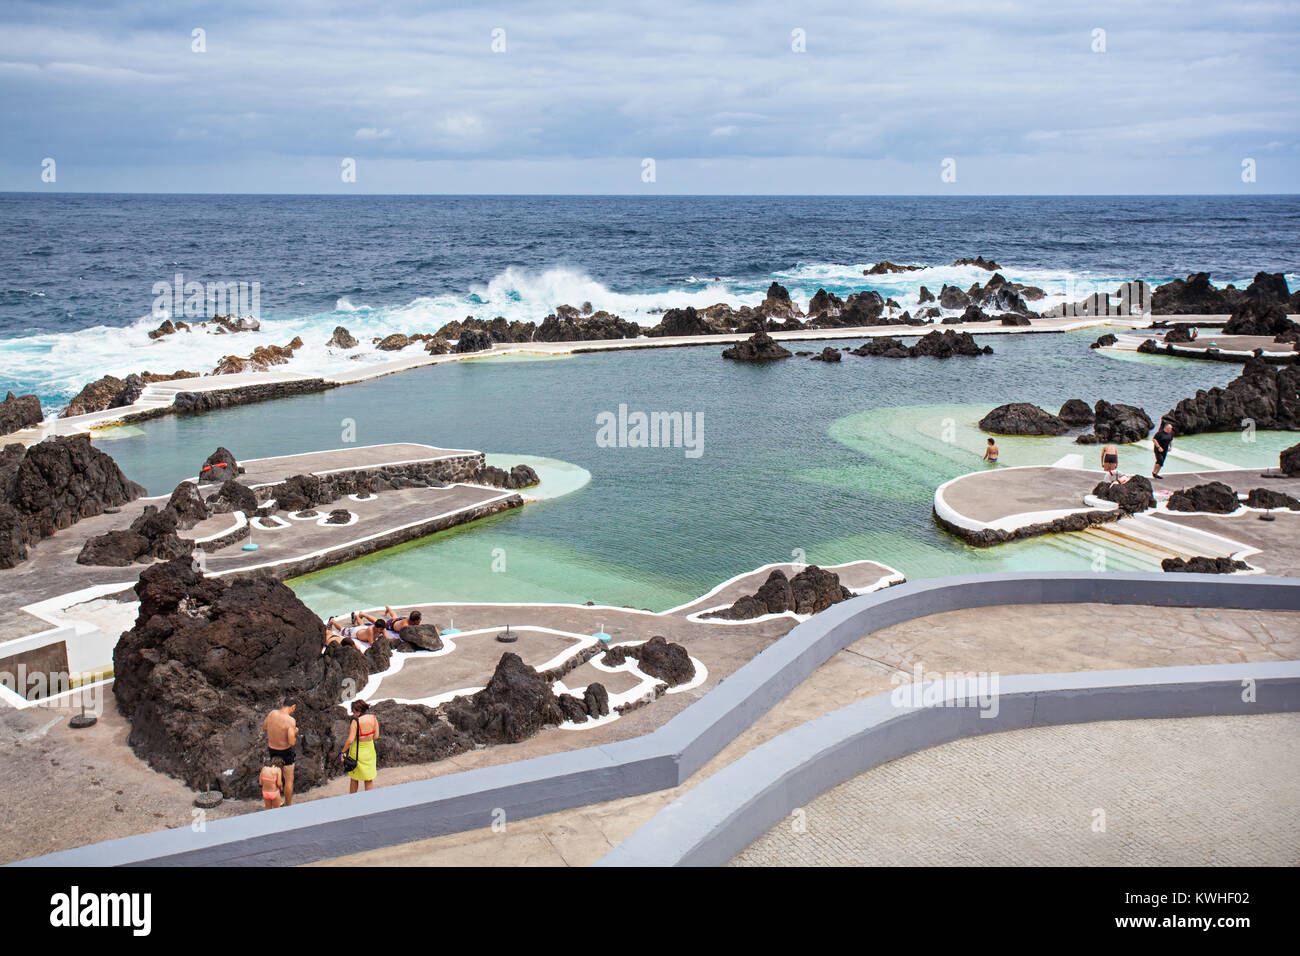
(396, 624)
(281, 735)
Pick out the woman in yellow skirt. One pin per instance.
(363, 730)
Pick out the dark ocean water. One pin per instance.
(71, 262)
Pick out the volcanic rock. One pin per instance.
(1117, 424)
(342, 339)
(680, 322)
(574, 710)
(925, 296)
(516, 703)
(1289, 461)
(1015, 319)
(884, 346)
(51, 486)
(1258, 317)
(825, 302)
(393, 343)
(570, 325)
(409, 734)
(884, 268)
(811, 590)
(219, 466)
(19, 412)
(1022, 418)
(1191, 296)
(261, 358)
(236, 323)
(828, 354)
(1268, 498)
(951, 297)
(1104, 341)
(948, 343)
(339, 516)
(206, 662)
(1132, 496)
(777, 303)
(980, 261)
(98, 396)
(423, 636)
(1179, 334)
(657, 658)
(1267, 396)
(1075, 411)
(596, 700)
(1203, 565)
(114, 549)
(1214, 497)
(520, 476)
(473, 341)
(188, 505)
(1269, 287)
(233, 496)
(759, 348)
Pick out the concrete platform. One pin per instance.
(1016, 499)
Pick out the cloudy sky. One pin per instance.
(816, 97)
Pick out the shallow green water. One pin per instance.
(833, 462)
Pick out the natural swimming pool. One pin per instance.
(825, 462)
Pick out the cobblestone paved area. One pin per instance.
(1207, 790)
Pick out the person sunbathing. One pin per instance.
(362, 635)
(397, 624)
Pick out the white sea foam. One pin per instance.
(56, 366)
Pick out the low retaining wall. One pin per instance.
(715, 821)
(329, 827)
(206, 401)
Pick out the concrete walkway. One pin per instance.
(1184, 792)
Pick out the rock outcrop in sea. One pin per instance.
(51, 486)
(936, 344)
(1117, 425)
(1022, 418)
(1264, 395)
(18, 412)
(760, 347)
(342, 339)
(1075, 411)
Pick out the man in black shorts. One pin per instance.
(281, 735)
(1164, 437)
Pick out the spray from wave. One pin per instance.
(56, 366)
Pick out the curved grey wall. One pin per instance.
(714, 821)
(664, 758)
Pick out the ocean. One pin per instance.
(78, 272)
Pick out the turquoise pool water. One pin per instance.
(828, 462)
